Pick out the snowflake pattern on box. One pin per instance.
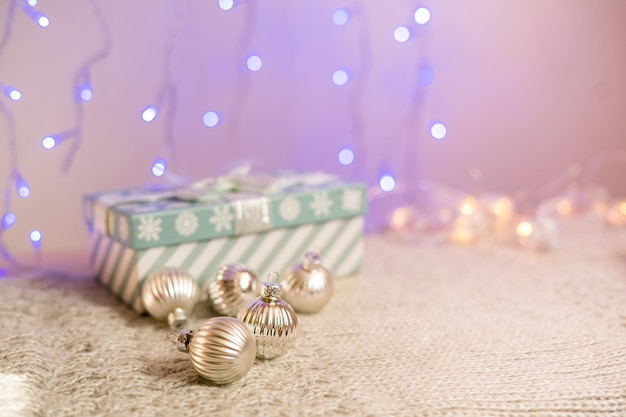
(289, 209)
(186, 223)
(351, 200)
(122, 228)
(149, 228)
(321, 204)
(222, 218)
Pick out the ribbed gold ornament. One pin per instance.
(309, 286)
(222, 350)
(233, 287)
(170, 294)
(272, 321)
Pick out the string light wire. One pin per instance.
(82, 77)
(167, 93)
(243, 90)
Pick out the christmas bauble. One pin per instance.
(170, 294)
(308, 286)
(222, 350)
(272, 321)
(233, 287)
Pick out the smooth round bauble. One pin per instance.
(170, 294)
(309, 286)
(222, 350)
(272, 322)
(233, 287)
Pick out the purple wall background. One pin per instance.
(526, 91)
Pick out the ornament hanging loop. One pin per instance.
(272, 277)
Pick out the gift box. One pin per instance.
(266, 222)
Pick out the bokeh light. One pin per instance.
(387, 182)
(211, 119)
(158, 167)
(422, 15)
(48, 142)
(254, 63)
(8, 220)
(341, 17)
(438, 130)
(401, 34)
(149, 113)
(340, 77)
(225, 4)
(346, 156)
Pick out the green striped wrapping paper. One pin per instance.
(123, 269)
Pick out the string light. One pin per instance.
(36, 16)
(82, 91)
(48, 142)
(401, 34)
(8, 220)
(158, 167)
(438, 130)
(225, 4)
(86, 92)
(254, 63)
(346, 156)
(341, 17)
(421, 15)
(387, 182)
(211, 119)
(22, 187)
(31, 3)
(340, 77)
(12, 93)
(166, 100)
(11, 147)
(149, 113)
(35, 239)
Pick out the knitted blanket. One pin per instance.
(432, 330)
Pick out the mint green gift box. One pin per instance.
(266, 222)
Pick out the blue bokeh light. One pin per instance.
(49, 142)
(387, 182)
(346, 156)
(401, 34)
(12, 93)
(149, 113)
(86, 93)
(43, 21)
(35, 239)
(254, 63)
(8, 220)
(340, 77)
(421, 16)
(225, 4)
(438, 130)
(341, 17)
(23, 190)
(211, 119)
(158, 167)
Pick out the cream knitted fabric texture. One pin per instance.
(483, 330)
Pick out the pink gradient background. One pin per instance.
(526, 89)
